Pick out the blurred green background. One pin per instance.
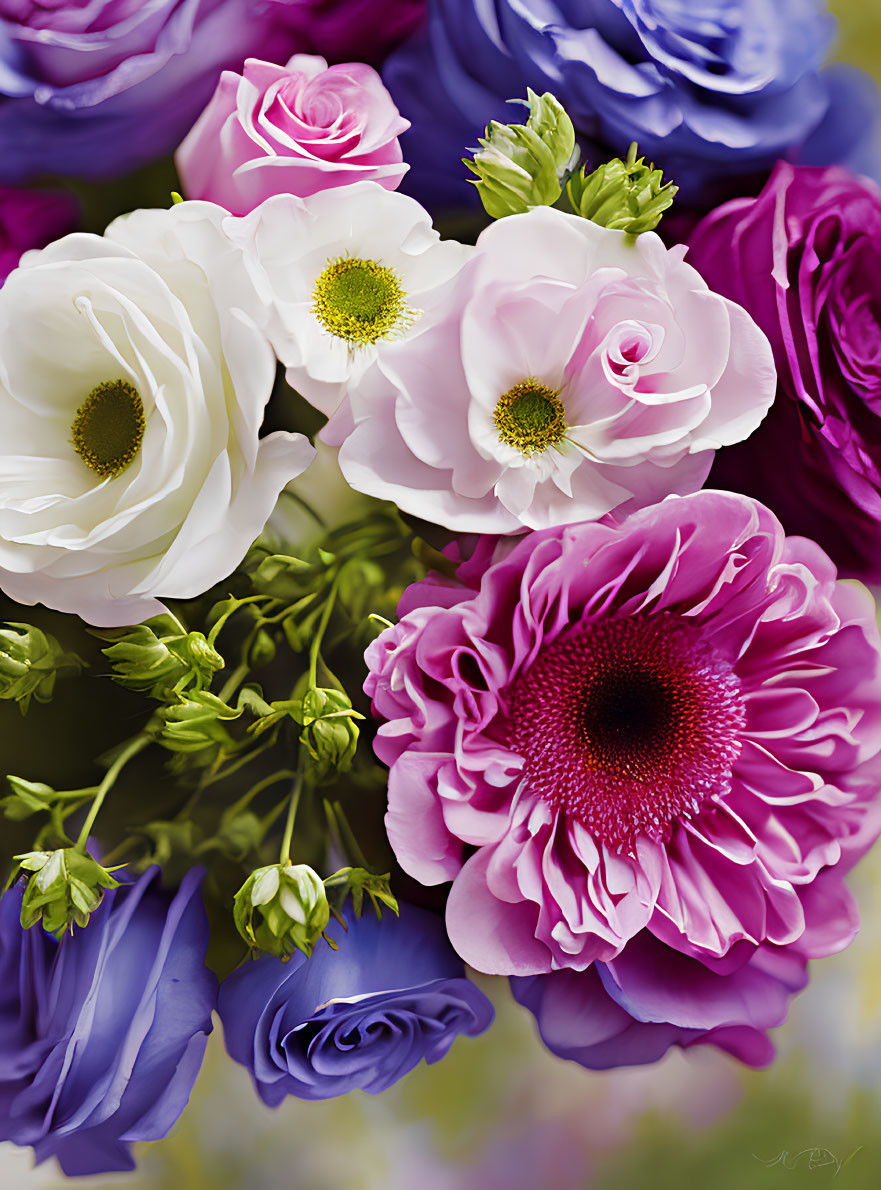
(500, 1113)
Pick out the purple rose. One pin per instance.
(292, 129)
(342, 30)
(714, 92)
(804, 258)
(102, 1035)
(358, 1017)
(94, 88)
(32, 219)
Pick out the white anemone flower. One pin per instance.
(132, 391)
(339, 276)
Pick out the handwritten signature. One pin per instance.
(813, 1158)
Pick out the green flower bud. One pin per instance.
(65, 889)
(330, 733)
(519, 166)
(156, 657)
(196, 722)
(30, 663)
(203, 658)
(626, 195)
(281, 909)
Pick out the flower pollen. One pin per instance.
(108, 429)
(628, 726)
(361, 301)
(530, 417)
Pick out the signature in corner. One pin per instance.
(813, 1158)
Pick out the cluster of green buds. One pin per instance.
(158, 658)
(520, 166)
(628, 196)
(31, 661)
(66, 888)
(282, 908)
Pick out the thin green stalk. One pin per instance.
(219, 623)
(242, 804)
(285, 853)
(138, 744)
(315, 646)
(234, 680)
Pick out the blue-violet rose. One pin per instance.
(358, 1017)
(804, 258)
(102, 1034)
(95, 88)
(713, 91)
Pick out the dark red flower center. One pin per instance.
(627, 726)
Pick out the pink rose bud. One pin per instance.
(293, 129)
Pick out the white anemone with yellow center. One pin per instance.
(132, 392)
(339, 276)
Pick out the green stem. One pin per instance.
(234, 680)
(315, 646)
(347, 839)
(218, 625)
(235, 765)
(138, 744)
(285, 853)
(242, 804)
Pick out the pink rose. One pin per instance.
(293, 129)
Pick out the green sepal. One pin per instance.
(359, 881)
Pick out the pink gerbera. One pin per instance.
(646, 746)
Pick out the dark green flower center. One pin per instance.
(360, 301)
(530, 417)
(109, 427)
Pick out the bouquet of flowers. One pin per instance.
(426, 537)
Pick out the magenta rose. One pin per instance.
(804, 259)
(293, 129)
(345, 29)
(32, 219)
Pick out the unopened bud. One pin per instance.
(627, 196)
(520, 166)
(282, 908)
(30, 663)
(330, 733)
(65, 889)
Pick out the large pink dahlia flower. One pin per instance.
(652, 747)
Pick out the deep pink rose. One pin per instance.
(31, 219)
(293, 129)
